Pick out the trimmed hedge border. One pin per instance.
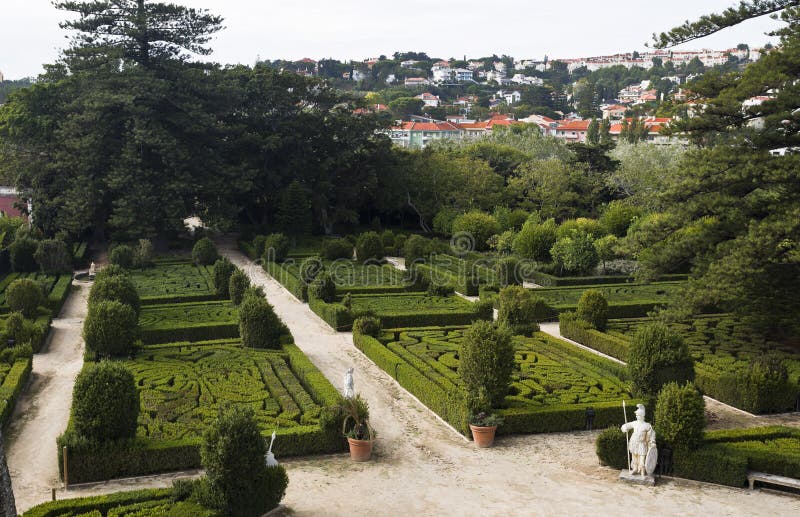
(90, 462)
(102, 503)
(335, 315)
(13, 384)
(546, 280)
(292, 284)
(571, 327)
(464, 285)
(58, 294)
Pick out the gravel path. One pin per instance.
(43, 410)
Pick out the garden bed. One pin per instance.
(624, 300)
(181, 386)
(552, 387)
(174, 281)
(194, 321)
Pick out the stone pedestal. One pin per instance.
(626, 476)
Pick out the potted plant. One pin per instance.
(356, 428)
(483, 427)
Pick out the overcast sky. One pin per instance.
(356, 29)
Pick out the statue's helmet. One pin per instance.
(639, 410)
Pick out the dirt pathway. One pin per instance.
(423, 467)
(43, 410)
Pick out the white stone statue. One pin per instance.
(641, 444)
(270, 458)
(92, 270)
(349, 392)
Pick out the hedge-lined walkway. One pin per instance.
(42, 411)
(423, 467)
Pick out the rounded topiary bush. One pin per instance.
(593, 307)
(276, 247)
(369, 247)
(508, 272)
(53, 256)
(204, 252)
(259, 326)
(232, 454)
(521, 310)
(24, 295)
(680, 415)
(416, 249)
(612, 449)
(111, 328)
(486, 361)
(323, 288)
(105, 402)
(535, 239)
(109, 271)
(387, 238)
(657, 356)
(367, 325)
(479, 226)
(258, 244)
(15, 328)
(223, 269)
(118, 288)
(22, 254)
(334, 249)
(122, 256)
(237, 285)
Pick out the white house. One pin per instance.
(509, 97)
(463, 74)
(416, 81)
(429, 99)
(358, 75)
(408, 64)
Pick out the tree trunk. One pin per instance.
(425, 227)
(7, 503)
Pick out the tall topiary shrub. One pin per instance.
(323, 288)
(24, 295)
(118, 288)
(232, 454)
(111, 328)
(105, 402)
(53, 256)
(204, 252)
(122, 255)
(369, 247)
(521, 310)
(223, 269)
(276, 247)
(259, 326)
(238, 283)
(680, 416)
(658, 356)
(486, 362)
(22, 253)
(508, 271)
(593, 307)
(109, 271)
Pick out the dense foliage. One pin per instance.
(593, 308)
(657, 356)
(520, 309)
(259, 326)
(105, 402)
(204, 252)
(110, 328)
(486, 362)
(223, 269)
(680, 415)
(24, 295)
(118, 288)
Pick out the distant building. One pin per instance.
(408, 64)
(572, 131)
(416, 81)
(9, 198)
(463, 75)
(429, 99)
(614, 112)
(654, 126)
(547, 125)
(417, 135)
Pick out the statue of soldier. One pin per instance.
(641, 442)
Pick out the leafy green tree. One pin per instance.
(259, 326)
(593, 307)
(204, 252)
(521, 310)
(53, 256)
(593, 132)
(24, 295)
(617, 217)
(117, 288)
(294, 211)
(111, 328)
(402, 107)
(535, 240)
(478, 227)
(574, 254)
(105, 402)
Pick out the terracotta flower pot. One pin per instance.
(483, 436)
(360, 450)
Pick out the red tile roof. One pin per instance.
(428, 126)
(574, 125)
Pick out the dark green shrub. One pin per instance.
(276, 247)
(487, 361)
(22, 254)
(508, 272)
(367, 325)
(520, 309)
(590, 227)
(204, 252)
(53, 256)
(680, 416)
(259, 326)
(109, 271)
(369, 247)
(443, 220)
(593, 307)
(387, 238)
(658, 356)
(105, 402)
(232, 454)
(24, 295)
(334, 249)
(223, 269)
(347, 301)
(612, 448)
(118, 288)
(110, 328)
(416, 249)
(237, 285)
(535, 239)
(259, 242)
(477, 225)
(399, 242)
(122, 255)
(323, 288)
(143, 255)
(310, 269)
(435, 289)
(763, 387)
(574, 254)
(617, 217)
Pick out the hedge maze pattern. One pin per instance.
(182, 386)
(173, 280)
(549, 372)
(413, 303)
(660, 292)
(187, 314)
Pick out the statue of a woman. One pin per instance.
(641, 441)
(349, 392)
